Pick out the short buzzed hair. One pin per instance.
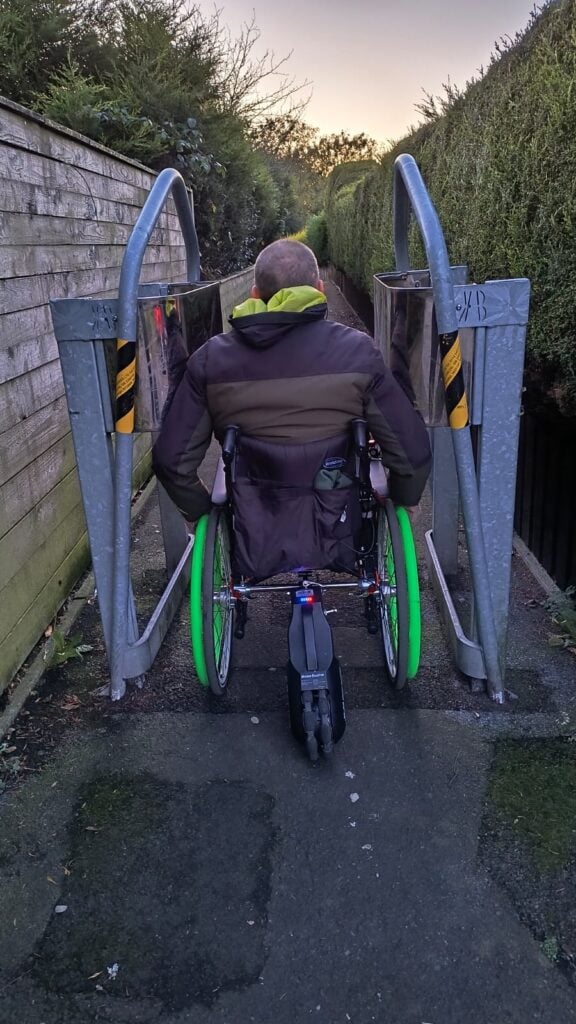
(284, 264)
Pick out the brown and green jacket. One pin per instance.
(292, 381)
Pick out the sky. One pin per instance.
(370, 61)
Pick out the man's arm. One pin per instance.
(183, 441)
(400, 433)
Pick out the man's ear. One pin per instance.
(254, 293)
(320, 286)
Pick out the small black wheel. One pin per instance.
(310, 724)
(326, 731)
(393, 594)
(217, 602)
(312, 748)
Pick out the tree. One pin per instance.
(288, 137)
(37, 38)
(252, 87)
(284, 136)
(165, 62)
(157, 81)
(307, 158)
(329, 151)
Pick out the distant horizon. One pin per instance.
(374, 87)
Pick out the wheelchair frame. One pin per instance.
(314, 679)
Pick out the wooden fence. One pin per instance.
(66, 210)
(545, 514)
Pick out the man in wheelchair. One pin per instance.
(291, 382)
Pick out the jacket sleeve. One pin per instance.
(399, 430)
(183, 441)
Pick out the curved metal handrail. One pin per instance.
(411, 196)
(169, 181)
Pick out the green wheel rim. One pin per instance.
(414, 616)
(196, 630)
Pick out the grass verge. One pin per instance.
(533, 787)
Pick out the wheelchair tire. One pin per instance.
(217, 617)
(211, 621)
(196, 630)
(393, 607)
(413, 584)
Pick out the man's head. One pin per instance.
(284, 264)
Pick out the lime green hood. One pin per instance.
(287, 300)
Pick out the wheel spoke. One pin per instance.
(388, 609)
(392, 598)
(222, 616)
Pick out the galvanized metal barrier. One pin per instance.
(463, 348)
(153, 328)
(470, 337)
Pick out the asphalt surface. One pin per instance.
(229, 881)
(176, 859)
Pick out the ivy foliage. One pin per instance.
(499, 161)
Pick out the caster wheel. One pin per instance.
(312, 748)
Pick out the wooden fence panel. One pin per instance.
(66, 210)
(233, 291)
(545, 515)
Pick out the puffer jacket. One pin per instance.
(291, 381)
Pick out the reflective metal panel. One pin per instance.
(406, 332)
(171, 326)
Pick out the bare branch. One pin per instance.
(252, 86)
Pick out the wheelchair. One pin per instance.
(384, 576)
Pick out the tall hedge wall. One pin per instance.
(500, 165)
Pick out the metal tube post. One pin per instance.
(411, 195)
(168, 181)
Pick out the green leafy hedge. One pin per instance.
(499, 161)
(317, 238)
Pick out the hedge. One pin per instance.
(500, 165)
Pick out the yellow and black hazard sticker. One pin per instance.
(456, 401)
(125, 384)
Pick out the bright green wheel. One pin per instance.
(217, 602)
(211, 604)
(196, 628)
(393, 594)
(412, 582)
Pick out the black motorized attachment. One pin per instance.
(315, 694)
